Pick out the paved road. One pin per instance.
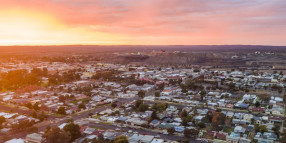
(53, 121)
(140, 131)
(17, 110)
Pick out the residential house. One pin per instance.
(33, 138)
(233, 138)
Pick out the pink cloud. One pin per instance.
(216, 22)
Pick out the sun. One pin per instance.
(18, 26)
(27, 27)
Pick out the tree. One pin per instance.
(113, 105)
(257, 104)
(201, 125)
(138, 103)
(256, 128)
(263, 128)
(184, 122)
(73, 130)
(81, 105)
(252, 120)
(62, 98)
(265, 98)
(2, 120)
(184, 88)
(36, 106)
(161, 86)
(231, 86)
(218, 119)
(183, 114)
(187, 132)
(171, 130)
(141, 93)
(55, 135)
(157, 94)
(203, 93)
(191, 133)
(29, 105)
(283, 137)
(143, 107)
(159, 107)
(209, 116)
(276, 128)
(42, 116)
(34, 115)
(62, 111)
(121, 139)
(154, 115)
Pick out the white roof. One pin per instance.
(157, 141)
(15, 141)
(62, 125)
(147, 138)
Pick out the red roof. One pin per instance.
(82, 129)
(175, 77)
(146, 79)
(97, 132)
(221, 135)
(258, 109)
(275, 118)
(210, 133)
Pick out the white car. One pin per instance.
(117, 129)
(130, 131)
(157, 136)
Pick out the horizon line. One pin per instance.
(59, 45)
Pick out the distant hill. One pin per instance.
(81, 49)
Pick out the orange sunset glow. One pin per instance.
(137, 22)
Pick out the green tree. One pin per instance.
(143, 107)
(2, 120)
(184, 114)
(81, 105)
(257, 104)
(55, 135)
(283, 137)
(29, 105)
(34, 115)
(141, 93)
(121, 139)
(62, 98)
(218, 119)
(191, 133)
(73, 130)
(184, 122)
(154, 115)
(138, 103)
(157, 94)
(201, 125)
(263, 128)
(62, 110)
(252, 120)
(36, 106)
(209, 116)
(113, 105)
(171, 130)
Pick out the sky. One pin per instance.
(142, 22)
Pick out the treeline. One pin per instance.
(15, 79)
(69, 76)
(69, 59)
(20, 79)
